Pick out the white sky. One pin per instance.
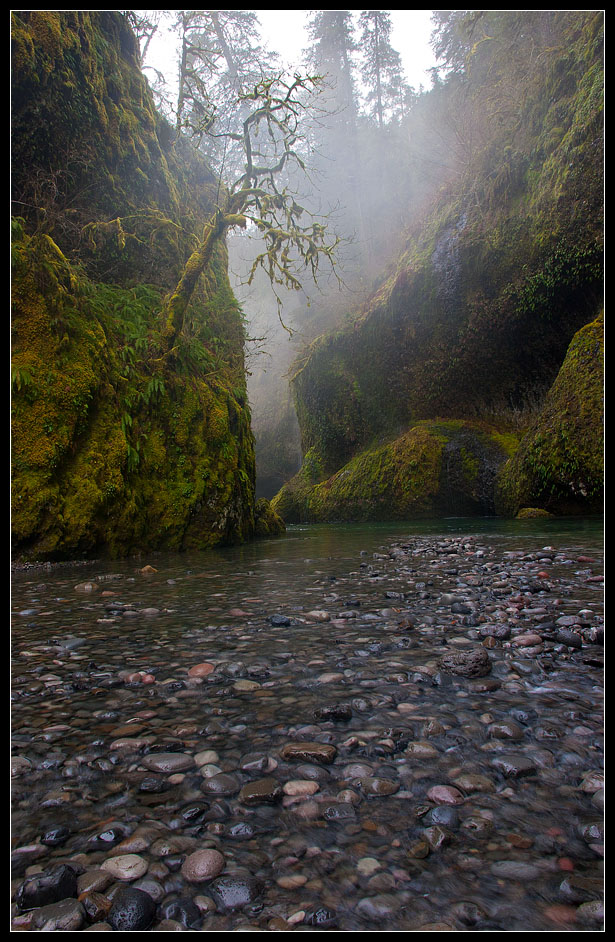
(284, 32)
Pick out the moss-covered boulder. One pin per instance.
(437, 468)
(267, 522)
(559, 466)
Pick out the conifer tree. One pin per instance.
(330, 54)
(381, 68)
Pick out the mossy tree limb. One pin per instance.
(294, 240)
(177, 302)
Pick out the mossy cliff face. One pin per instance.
(559, 466)
(117, 447)
(474, 322)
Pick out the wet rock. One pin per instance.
(203, 865)
(309, 752)
(125, 866)
(181, 910)
(340, 712)
(321, 918)
(66, 916)
(201, 670)
(515, 870)
(579, 889)
(445, 815)
(51, 886)
(167, 762)
(445, 795)
(55, 836)
(473, 663)
(380, 907)
(132, 910)
(513, 766)
(568, 637)
(221, 784)
(378, 787)
(263, 790)
(279, 621)
(235, 891)
(341, 811)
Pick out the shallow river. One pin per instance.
(393, 727)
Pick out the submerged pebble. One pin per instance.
(412, 745)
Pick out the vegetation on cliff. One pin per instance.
(559, 465)
(474, 322)
(120, 443)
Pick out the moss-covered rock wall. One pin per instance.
(559, 466)
(475, 321)
(118, 446)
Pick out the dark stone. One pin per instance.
(279, 621)
(109, 837)
(334, 711)
(264, 790)
(65, 916)
(51, 886)
(234, 891)
(514, 766)
(132, 910)
(153, 785)
(321, 917)
(243, 831)
(54, 837)
(444, 815)
(343, 811)
(181, 909)
(568, 637)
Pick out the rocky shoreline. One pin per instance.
(410, 744)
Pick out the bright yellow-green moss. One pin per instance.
(119, 444)
(446, 466)
(113, 452)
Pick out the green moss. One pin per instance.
(560, 462)
(475, 321)
(446, 466)
(116, 449)
(108, 453)
(267, 522)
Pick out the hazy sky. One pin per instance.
(283, 31)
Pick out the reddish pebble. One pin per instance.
(560, 914)
(148, 679)
(445, 795)
(201, 670)
(565, 863)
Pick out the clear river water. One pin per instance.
(392, 727)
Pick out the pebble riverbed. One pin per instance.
(406, 740)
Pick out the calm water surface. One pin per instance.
(364, 850)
